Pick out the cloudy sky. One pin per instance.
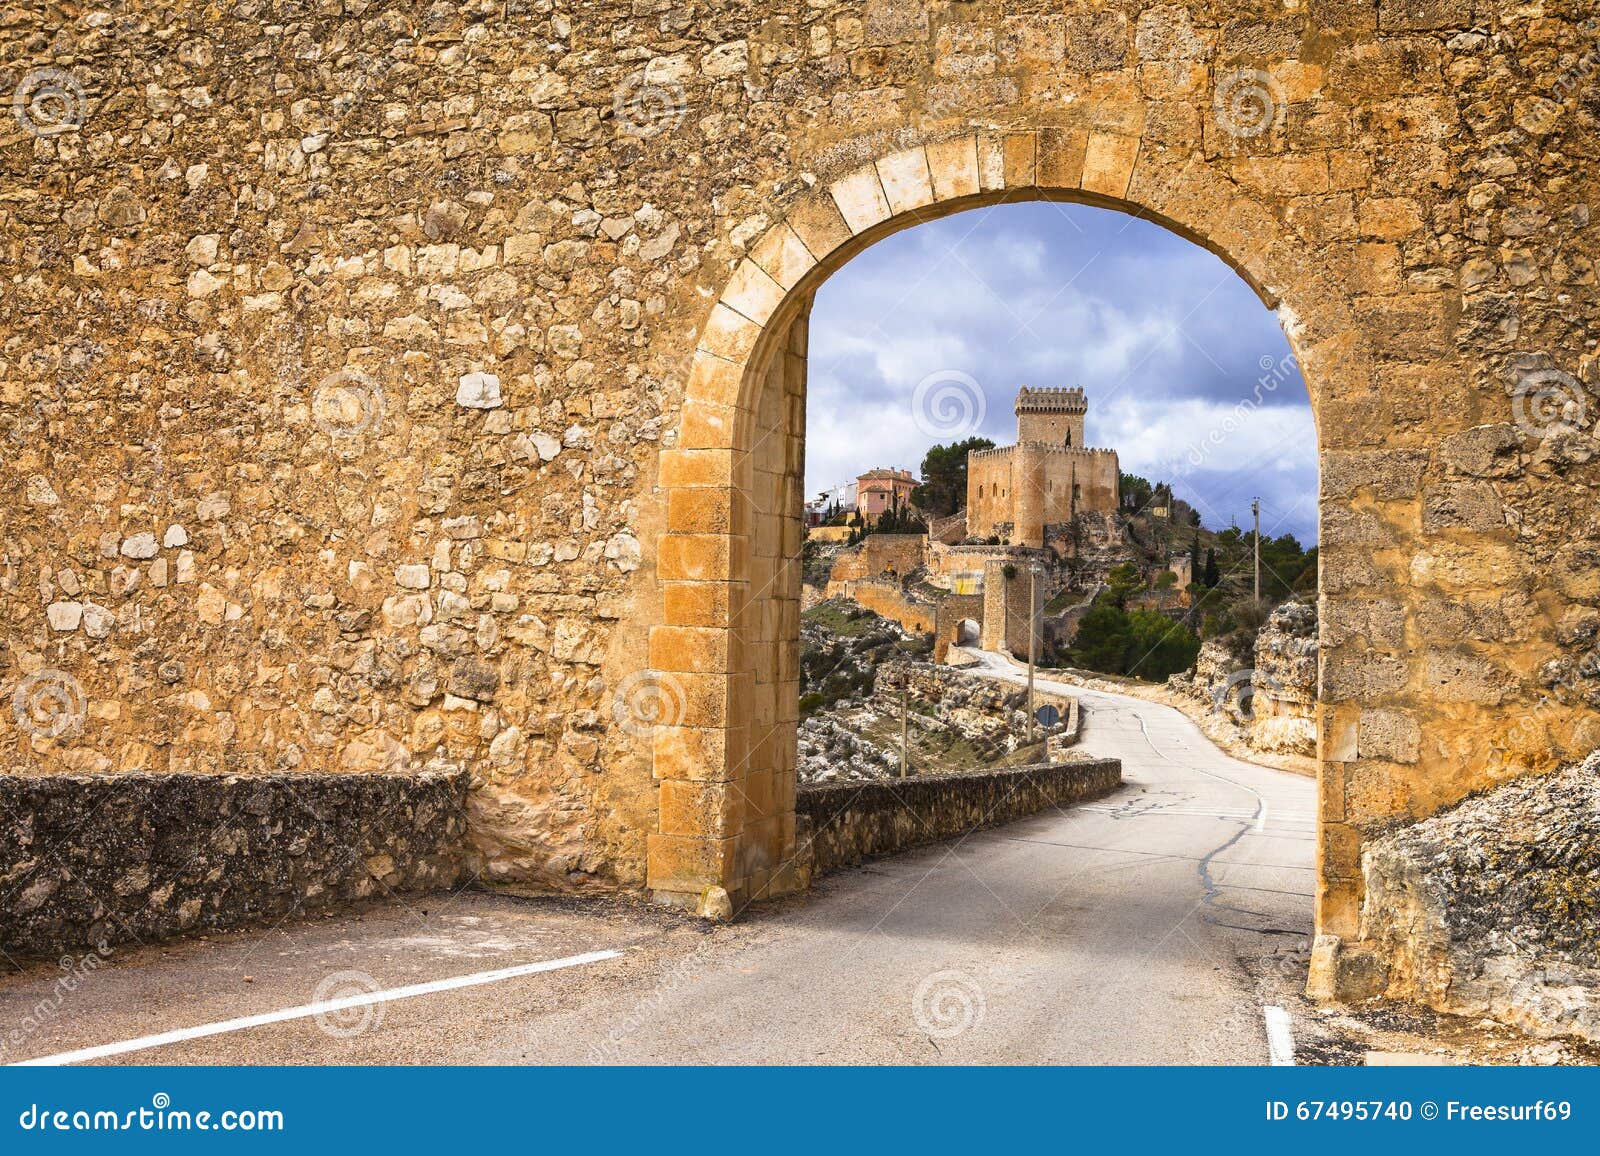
(926, 337)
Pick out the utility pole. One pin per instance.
(1255, 509)
(905, 699)
(1033, 639)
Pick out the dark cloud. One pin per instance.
(1189, 376)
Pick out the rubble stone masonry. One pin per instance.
(384, 382)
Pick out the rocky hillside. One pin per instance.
(841, 647)
(855, 667)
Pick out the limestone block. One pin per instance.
(1108, 163)
(860, 198)
(479, 391)
(907, 183)
(953, 167)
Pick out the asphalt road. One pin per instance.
(1149, 927)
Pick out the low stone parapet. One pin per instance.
(843, 823)
(104, 859)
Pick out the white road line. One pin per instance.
(305, 1011)
(1280, 1040)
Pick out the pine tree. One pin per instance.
(1213, 575)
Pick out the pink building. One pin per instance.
(881, 490)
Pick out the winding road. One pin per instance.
(1151, 926)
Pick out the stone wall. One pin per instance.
(90, 859)
(991, 712)
(844, 823)
(1492, 907)
(1012, 605)
(1283, 700)
(878, 554)
(890, 600)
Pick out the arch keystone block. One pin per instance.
(1060, 161)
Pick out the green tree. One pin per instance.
(1122, 581)
(1212, 575)
(944, 477)
(1102, 640)
(1158, 646)
(1136, 492)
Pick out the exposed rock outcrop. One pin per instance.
(1283, 699)
(1493, 906)
(1262, 692)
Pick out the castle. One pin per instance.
(1028, 493)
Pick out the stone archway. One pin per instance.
(729, 634)
(1395, 549)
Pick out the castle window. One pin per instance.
(1069, 437)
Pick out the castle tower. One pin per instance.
(1053, 415)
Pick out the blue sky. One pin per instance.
(1188, 375)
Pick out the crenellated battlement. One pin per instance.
(1051, 399)
(1037, 447)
